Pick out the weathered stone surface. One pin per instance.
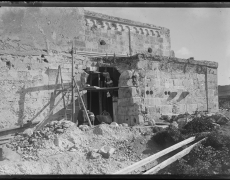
(8, 154)
(181, 122)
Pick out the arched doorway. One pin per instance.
(98, 100)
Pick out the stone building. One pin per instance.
(148, 79)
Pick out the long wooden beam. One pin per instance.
(172, 159)
(154, 156)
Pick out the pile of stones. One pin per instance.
(28, 143)
(181, 120)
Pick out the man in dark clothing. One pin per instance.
(80, 117)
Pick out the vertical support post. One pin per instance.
(90, 103)
(206, 86)
(100, 103)
(130, 49)
(62, 86)
(73, 95)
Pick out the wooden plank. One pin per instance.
(6, 137)
(172, 159)
(154, 156)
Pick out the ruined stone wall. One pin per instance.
(28, 38)
(166, 86)
(123, 36)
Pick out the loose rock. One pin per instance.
(125, 124)
(181, 122)
(84, 127)
(28, 132)
(175, 124)
(59, 130)
(114, 124)
(94, 155)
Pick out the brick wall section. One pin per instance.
(158, 75)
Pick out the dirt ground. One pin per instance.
(72, 157)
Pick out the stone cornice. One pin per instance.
(211, 64)
(120, 20)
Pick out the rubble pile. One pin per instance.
(28, 143)
(63, 148)
(207, 121)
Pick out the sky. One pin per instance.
(202, 33)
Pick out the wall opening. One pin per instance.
(107, 101)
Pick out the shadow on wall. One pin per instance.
(23, 91)
(57, 116)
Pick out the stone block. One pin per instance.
(175, 109)
(155, 101)
(120, 119)
(191, 108)
(123, 101)
(142, 64)
(133, 110)
(135, 100)
(127, 119)
(137, 119)
(177, 82)
(147, 101)
(201, 77)
(151, 110)
(211, 93)
(122, 110)
(126, 75)
(182, 108)
(166, 109)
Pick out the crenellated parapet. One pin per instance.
(114, 23)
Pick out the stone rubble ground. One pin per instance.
(63, 148)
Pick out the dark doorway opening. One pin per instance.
(97, 79)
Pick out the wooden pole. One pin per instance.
(73, 96)
(154, 156)
(172, 159)
(59, 68)
(100, 103)
(90, 103)
(83, 104)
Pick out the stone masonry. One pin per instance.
(34, 41)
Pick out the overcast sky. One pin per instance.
(202, 33)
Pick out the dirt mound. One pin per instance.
(67, 151)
